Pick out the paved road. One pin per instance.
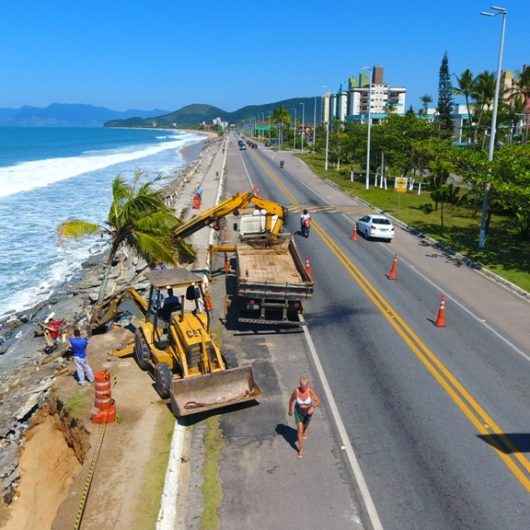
(264, 484)
(425, 408)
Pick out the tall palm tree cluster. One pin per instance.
(479, 92)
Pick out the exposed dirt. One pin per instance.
(48, 466)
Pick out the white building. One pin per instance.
(352, 105)
(341, 105)
(326, 107)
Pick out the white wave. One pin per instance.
(27, 176)
(67, 264)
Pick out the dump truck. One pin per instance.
(271, 281)
(173, 342)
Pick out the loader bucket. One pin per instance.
(193, 395)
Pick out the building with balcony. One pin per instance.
(352, 104)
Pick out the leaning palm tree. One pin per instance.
(139, 219)
(465, 87)
(426, 99)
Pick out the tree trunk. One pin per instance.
(108, 266)
(442, 214)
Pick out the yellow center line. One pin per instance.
(464, 400)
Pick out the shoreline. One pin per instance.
(27, 374)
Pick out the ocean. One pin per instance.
(48, 175)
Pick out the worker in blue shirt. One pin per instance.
(79, 345)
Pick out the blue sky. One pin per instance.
(166, 54)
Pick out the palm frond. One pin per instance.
(154, 249)
(77, 228)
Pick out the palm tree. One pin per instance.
(139, 219)
(466, 87)
(426, 99)
(483, 93)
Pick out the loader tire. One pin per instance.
(141, 351)
(163, 379)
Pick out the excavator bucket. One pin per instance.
(212, 391)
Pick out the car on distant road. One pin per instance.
(242, 145)
(376, 226)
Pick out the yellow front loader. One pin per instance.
(175, 344)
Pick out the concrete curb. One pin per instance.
(476, 266)
(167, 516)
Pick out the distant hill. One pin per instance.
(68, 115)
(193, 115)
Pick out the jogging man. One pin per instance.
(79, 345)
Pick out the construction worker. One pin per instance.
(302, 404)
(171, 304)
(305, 223)
(79, 345)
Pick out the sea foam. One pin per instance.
(27, 176)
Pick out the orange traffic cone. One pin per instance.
(440, 318)
(354, 233)
(308, 267)
(392, 273)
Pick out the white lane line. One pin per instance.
(345, 440)
(369, 505)
(246, 170)
(499, 335)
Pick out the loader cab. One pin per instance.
(173, 294)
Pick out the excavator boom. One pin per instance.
(239, 201)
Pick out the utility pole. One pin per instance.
(369, 127)
(315, 123)
(327, 145)
(303, 125)
(294, 131)
(495, 10)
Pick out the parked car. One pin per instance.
(376, 226)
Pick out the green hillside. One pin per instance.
(193, 115)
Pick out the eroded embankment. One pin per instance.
(54, 449)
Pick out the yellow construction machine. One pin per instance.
(174, 342)
(266, 219)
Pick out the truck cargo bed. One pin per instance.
(272, 270)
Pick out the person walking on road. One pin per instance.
(305, 223)
(302, 404)
(79, 345)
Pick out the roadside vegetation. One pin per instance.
(148, 507)
(460, 188)
(212, 492)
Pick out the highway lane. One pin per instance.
(416, 438)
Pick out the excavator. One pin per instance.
(266, 220)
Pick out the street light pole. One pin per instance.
(367, 183)
(315, 124)
(326, 124)
(495, 10)
(294, 131)
(303, 124)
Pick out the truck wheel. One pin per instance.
(163, 378)
(141, 351)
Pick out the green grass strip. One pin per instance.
(507, 253)
(212, 492)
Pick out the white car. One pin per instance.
(377, 226)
